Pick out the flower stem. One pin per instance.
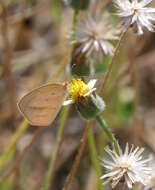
(76, 12)
(20, 131)
(122, 186)
(78, 156)
(108, 132)
(94, 158)
(50, 172)
(112, 61)
(16, 163)
(8, 52)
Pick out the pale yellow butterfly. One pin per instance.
(41, 105)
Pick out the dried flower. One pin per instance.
(135, 13)
(151, 183)
(93, 36)
(129, 166)
(77, 88)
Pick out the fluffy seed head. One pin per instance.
(134, 13)
(129, 166)
(95, 36)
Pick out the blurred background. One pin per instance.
(35, 47)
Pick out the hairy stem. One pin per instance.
(108, 132)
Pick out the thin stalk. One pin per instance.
(78, 156)
(7, 66)
(112, 61)
(6, 154)
(76, 12)
(108, 132)
(51, 169)
(122, 186)
(94, 158)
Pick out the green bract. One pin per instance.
(90, 106)
(83, 69)
(79, 4)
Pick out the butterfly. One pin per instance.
(41, 106)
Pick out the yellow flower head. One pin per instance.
(78, 88)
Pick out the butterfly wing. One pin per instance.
(41, 106)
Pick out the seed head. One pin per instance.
(129, 166)
(134, 13)
(95, 36)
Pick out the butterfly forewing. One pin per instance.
(41, 105)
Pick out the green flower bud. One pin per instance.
(79, 4)
(79, 64)
(90, 107)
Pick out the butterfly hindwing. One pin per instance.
(41, 105)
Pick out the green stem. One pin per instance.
(50, 172)
(108, 132)
(76, 12)
(4, 158)
(94, 158)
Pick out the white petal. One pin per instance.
(68, 102)
(86, 46)
(149, 10)
(92, 83)
(89, 92)
(139, 27)
(96, 45)
(114, 183)
(128, 181)
(110, 174)
(145, 2)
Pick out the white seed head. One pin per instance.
(135, 13)
(151, 183)
(95, 37)
(129, 166)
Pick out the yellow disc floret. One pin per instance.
(77, 88)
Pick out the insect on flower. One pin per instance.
(134, 12)
(129, 166)
(41, 105)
